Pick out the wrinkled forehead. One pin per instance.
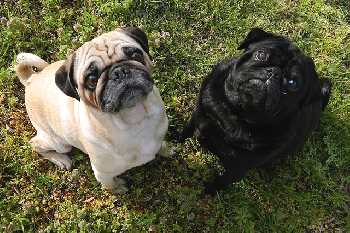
(281, 52)
(104, 50)
(281, 45)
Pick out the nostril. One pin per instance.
(125, 71)
(115, 74)
(270, 72)
(119, 72)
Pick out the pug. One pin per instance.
(101, 100)
(258, 107)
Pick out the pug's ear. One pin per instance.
(326, 87)
(64, 78)
(138, 35)
(255, 35)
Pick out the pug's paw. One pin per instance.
(120, 187)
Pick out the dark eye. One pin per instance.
(261, 55)
(91, 79)
(290, 85)
(91, 82)
(134, 53)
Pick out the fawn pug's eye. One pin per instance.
(91, 82)
(91, 79)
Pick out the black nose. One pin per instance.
(253, 92)
(119, 72)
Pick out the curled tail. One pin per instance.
(27, 64)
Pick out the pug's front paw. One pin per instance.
(117, 186)
(120, 187)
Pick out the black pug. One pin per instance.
(258, 107)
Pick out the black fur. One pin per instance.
(256, 35)
(64, 78)
(259, 107)
(138, 35)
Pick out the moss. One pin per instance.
(306, 193)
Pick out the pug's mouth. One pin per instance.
(252, 93)
(259, 100)
(125, 88)
(132, 97)
(128, 99)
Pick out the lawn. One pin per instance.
(309, 192)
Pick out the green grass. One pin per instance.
(307, 193)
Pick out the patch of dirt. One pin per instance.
(19, 122)
(329, 225)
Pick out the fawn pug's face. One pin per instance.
(110, 72)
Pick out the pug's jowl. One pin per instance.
(101, 100)
(259, 106)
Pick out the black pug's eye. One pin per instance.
(290, 85)
(91, 79)
(134, 53)
(261, 55)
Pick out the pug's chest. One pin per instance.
(134, 145)
(251, 139)
(142, 140)
(242, 138)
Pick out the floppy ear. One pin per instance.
(64, 78)
(255, 35)
(326, 87)
(138, 35)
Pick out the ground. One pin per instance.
(308, 192)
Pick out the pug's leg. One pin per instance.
(326, 87)
(110, 182)
(121, 186)
(189, 128)
(43, 148)
(235, 168)
(224, 180)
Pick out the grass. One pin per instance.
(307, 193)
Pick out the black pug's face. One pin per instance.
(271, 79)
